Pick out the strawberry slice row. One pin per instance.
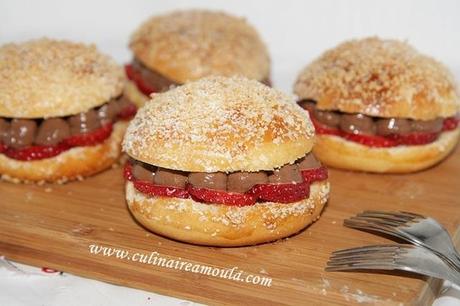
(40, 152)
(280, 193)
(136, 77)
(376, 141)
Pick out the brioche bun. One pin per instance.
(382, 78)
(73, 164)
(338, 152)
(223, 225)
(51, 78)
(220, 124)
(188, 45)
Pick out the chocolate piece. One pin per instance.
(154, 79)
(392, 126)
(52, 131)
(144, 172)
(286, 174)
(108, 112)
(309, 105)
(427, 126)
(167, 177)
(4, 129)
(21, 133)
(329, 118)
(357, 124)
(309, 161)
(84, 122)
(243, 181)
(215, 180)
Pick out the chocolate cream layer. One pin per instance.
(239, 182)
(367, 125)
(20, 133)
(159, 82)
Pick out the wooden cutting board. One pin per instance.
(53, 226)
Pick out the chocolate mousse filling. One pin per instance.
(158, 82)
(18, 133)
(236, 182)
(367, 125)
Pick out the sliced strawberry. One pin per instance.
(136, 77)
(315, 175)
(128, 172)
(2, 147)
(281, 193)
(450, 123)
(371, 140)
(36, 152)
(221, 197)
(415, 138)
(160, 191)
(89, 139)
(128, 112)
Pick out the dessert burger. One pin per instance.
(61, 111)
(169, 50)
(224, 162)
(380, 106)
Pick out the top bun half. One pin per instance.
(188, 45)
(51, 78)
(382, 78)
(220, 124)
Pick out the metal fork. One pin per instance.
(392, 257)
(414, 228)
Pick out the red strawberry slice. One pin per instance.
(160, 191)
(371, 140)
(323, 129)
(450, 123)
(90, 139)
(281, 193)
(415, 138)
(315, 175)
(2, 148)
(221, 197)
(36, 152)
(128, 112)
(136, 77)
(128, 172)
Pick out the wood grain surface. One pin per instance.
(53, 226)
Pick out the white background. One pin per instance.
(295, 31)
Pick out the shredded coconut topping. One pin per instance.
(47, 78)
(188, 45)
(217, 117)
(379, 78)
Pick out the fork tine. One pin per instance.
(388, 214)
(374, 248)
(381, 220)
(411, 214)
(377, 266)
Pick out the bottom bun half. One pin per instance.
(70, 165)
(337, 152)
(134, 95)
(221, 225)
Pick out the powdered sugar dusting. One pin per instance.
(386, 78)
(48, 78)
(216, 117)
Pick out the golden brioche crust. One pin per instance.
(51, 78)
(73, 164)
(220, 124)
(383, 78)
(337, 152)
(188, 45)
(134, 95)
(222, 225)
